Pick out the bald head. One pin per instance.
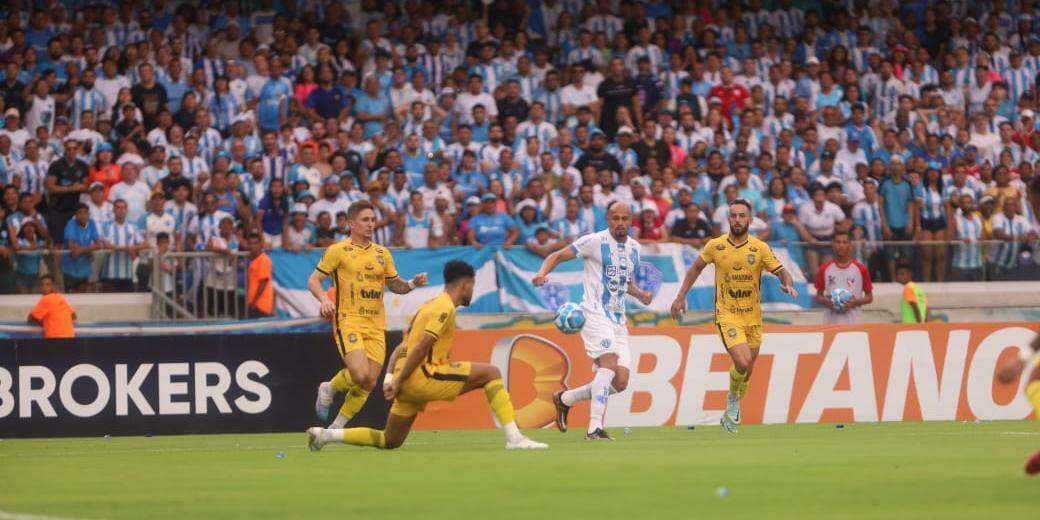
(619, 219)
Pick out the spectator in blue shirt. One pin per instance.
(372, 108)
(527, 219)
(81, 239)
(326, 101)
(275, 95)
(490, 227)
(897, 211)
(789, 232)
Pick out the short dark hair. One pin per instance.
(846, 234)
(903, 264)
(456, 270)
(742, 202)
(47, 277)
(359, 206)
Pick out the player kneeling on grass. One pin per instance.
(422, 372)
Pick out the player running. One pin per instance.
(422, 372)
(611, 258)
(359, 270)
(739, 261)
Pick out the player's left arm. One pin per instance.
(396, 284)
(770, 262)
(868, 288)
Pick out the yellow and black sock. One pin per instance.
(364, 437)
(498, 399)
(1033, 394)
(737, 382)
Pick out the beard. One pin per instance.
(737, 229)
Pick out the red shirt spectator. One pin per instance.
(732, 95)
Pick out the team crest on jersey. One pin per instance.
(605, 343)
(732, 333)
(352, 337)
(381, 260)
(443, 317)
(751, 259)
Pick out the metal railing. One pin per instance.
(199, 286)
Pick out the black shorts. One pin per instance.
(933, 224)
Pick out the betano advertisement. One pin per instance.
(680, 376)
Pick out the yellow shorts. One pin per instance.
(430, 383)
(735, 333)
(349, 337)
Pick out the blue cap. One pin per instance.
(222, 154)
(304, 194)
(105, 146)
(331, 179)
(489, 197)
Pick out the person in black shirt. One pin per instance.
(66, 180)
(597, 156)
(174, 178)
(697, 104)
(149, 96)
(13, 91)
(617, 91)
(512, 104)
(692, 229)
(650, 146)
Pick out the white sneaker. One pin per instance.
(733, 409)
(314, 438)
(324, 401)
(526, 444)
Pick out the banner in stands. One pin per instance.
(504, 280)
(680, 376)
(168, 385)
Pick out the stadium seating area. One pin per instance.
(185, 126)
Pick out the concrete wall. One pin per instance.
(89, 307)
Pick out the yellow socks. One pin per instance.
(342, 382)
(738, 383)
(353, 402)
(498, 399)
(364, 437)
(1033, 394)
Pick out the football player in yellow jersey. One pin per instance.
(739, 261)
(359, 270)
(422, 372)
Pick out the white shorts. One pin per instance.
(602, 336)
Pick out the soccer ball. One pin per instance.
(840, 297)
(569, 318)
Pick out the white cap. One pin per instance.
(526, 203)
(812, 60)
(625, 130)
(299, 207)
(1027, 113)
(12, 112)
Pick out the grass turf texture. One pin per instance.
(909, 470)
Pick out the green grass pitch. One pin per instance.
(889, 470)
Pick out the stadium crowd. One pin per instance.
(136, 126)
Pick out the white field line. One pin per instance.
(7, 515)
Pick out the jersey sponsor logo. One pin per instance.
(738, 267)
(360, 277)
(370, 267)
(612, 270)
(739, 293)
(605, 343)
(753, 249)
(739, 277)
(720, 247)
(371, 294)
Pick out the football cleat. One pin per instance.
(728, 423)
(561, 411)
(324, 401)
(599, 434)
(526, 444)
(733, 410)
(1033, 464)
(314, 440)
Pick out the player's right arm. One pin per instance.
(679, 304)
(326, 267)
(562, 255)
(416, 353)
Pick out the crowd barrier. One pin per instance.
(241, 383)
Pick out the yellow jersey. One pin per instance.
(738, 277)
(358, 276)
(436, 317)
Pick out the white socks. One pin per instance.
(582, 393)
(340, 421)
(599, 389)
(332, 435)
(512, 432)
